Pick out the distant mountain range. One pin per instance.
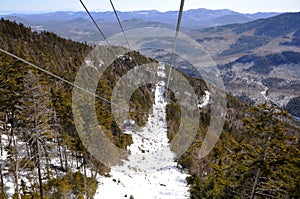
(78, 26)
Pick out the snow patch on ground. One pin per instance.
(8, 182)
(264, 92)
(205, 100)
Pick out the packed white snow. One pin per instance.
(205, 100)
(150, 170)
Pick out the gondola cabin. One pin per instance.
(128, 126)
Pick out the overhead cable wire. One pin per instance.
(100, 31)
(64, 80)
(119, 21)
(175, 39)
(56, 76)
(123, 32)
(102, 34)
(95, 23)
(121, 26)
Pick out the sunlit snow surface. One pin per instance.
(150, 170)
(205, 100)
(8, 182)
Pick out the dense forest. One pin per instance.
(44, 155)
(257, 155)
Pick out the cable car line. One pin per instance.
(104, 37)
(120, 24)
(175, 39)
(63, 80)
(123, 32)
(100, 31)
(56, 76)
(95, 23)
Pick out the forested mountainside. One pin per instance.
(41, 153)
(39, 143)
(258, 60)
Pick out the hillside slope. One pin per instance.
(41, 152)
(43, 156)
(258, 60)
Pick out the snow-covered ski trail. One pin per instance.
(150, 171)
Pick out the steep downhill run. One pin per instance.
(150, 170)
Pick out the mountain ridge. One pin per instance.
(192, 19)
(253, 54)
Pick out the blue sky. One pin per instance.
(244, 6)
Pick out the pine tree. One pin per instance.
(40, 132)
(11, 107)
(254, 163)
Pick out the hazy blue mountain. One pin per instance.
(78, 26)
